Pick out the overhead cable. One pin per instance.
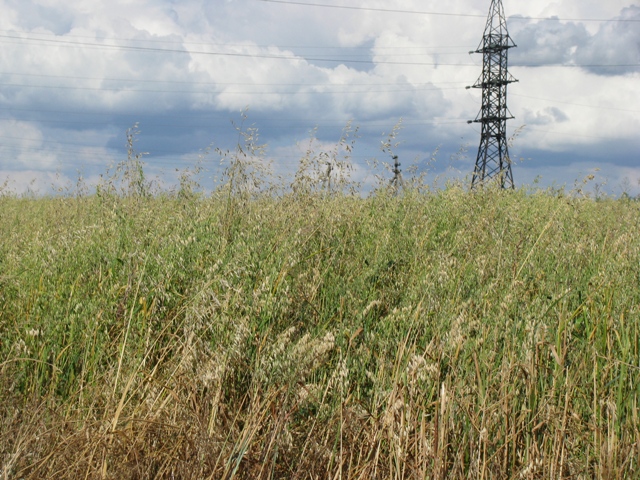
(444, 14)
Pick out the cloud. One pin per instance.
(613, 50)
(545, 116)
(575, 175)
(33, 182)
(75, 75)
(23, 143)
(616, 43)
(546, 42)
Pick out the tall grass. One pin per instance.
(316, 334)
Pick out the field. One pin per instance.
(435, 334)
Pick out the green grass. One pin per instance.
(449, 334)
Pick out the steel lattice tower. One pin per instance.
(396, 182)
(493, 154)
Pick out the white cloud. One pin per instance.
(33, 182)
(615, 43)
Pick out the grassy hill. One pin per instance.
(450, 334)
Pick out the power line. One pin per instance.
(252, 84)
(279, 121)
(225, 44)
(110, 154)
(577, 135)
(371, 9)
(164, 157)
(65, 43)
(222, 92)
(443, 14)
(578, 65)
(137, 115)
(282, 123)
(575, 104)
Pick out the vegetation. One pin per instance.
(315, 334)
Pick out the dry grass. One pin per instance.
(310, 336)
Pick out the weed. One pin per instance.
(316, 334)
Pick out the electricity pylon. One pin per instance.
(493, 153)
(396, 182)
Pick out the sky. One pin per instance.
(76, 74)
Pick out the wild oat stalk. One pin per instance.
(446, 334)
